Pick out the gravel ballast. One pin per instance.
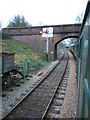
(13, 97)
(68, 109)
(69, 105)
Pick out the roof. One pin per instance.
(7, 53)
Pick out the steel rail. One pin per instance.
(34, 87)
(55, 91)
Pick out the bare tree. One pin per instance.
(79, 18)
(72, 40)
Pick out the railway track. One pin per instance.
(57, 101)
(37, 103)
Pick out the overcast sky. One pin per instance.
(45, 12)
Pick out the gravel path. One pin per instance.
(69, 105)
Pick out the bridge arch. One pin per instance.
(32, 36)
(64, 38)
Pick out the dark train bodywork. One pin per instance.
(83, 67)
(7, 65)
(7, 69)
(82, 53)
(7, 61)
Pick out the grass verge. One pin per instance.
(24, 54)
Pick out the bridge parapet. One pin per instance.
(22, 31)
(57, 29)
(71, 28)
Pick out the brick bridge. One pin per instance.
(32, 37)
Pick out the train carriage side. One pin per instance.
(83, 68)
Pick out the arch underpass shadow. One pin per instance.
(56, 44)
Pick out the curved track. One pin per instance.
(37, 102)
